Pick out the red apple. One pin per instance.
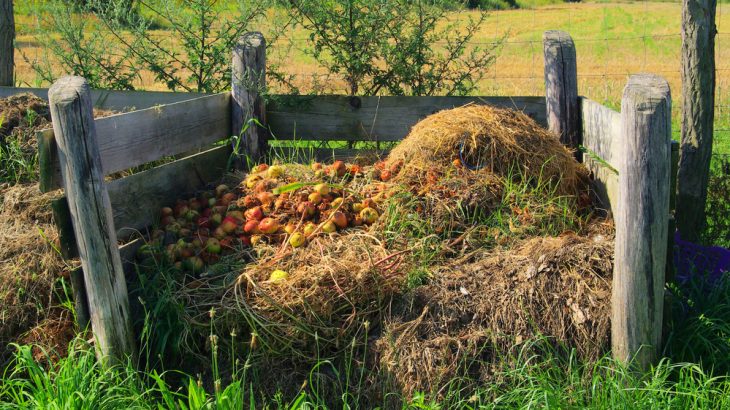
(251, 226)
(229, 224)
(339, 168)
(306, 209)
(268, 226)
(254, 214)
(339, 219)
(166, 211)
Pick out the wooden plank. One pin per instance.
(641, 217)
(137, 199)
(115, 100)
(49, 168)
(135, 138)
(371, 118)
(88, 200)
(248, 82)
(561, 87)
(601, 129)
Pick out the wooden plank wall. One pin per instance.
(601, 134)
(136, 138)
(601, 137)
(115, 100)
(371, 118)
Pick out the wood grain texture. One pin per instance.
(137, 199)
(371, 118)
(641, 217)
(138, 137)
(601, 131)
(561, 87)
(698, 114)
(248, 84)
(88, 200)
(115, 100)
(7, 40)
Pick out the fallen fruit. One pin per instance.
(297, 239)
(339, 219)
(329, 227)
(268, 226)
(369, 216)
(278, 276)
(251, 226)
(229, 224)
(213, 245)
(275, 171)
(315, 198)
(309, 229)
(322, 189)
(220, 190)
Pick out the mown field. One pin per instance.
(613, 40)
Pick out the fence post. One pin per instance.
(561, 87)
(91, 213)
(642, 217)
(698, 114)
(7, 38)
(248, 82)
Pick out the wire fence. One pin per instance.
(605, 59)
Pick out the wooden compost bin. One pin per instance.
(629, 154)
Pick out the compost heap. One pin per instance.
(318, 258)
(29, 263)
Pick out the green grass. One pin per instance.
(538, 375)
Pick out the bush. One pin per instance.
(717, 229)
(400, 47)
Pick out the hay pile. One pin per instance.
(334, 286)
(489, 140)
(472, 314)
(29, 268)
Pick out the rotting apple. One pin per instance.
(229, 224)
(309, 229)
(213, 245)
(315, 198)
(297, 239)
(254, 214)
(329, 227)
(369, 216)
(340, 219)
(268, 226)
(322, 189)
(251, 226)
(275, 171)
(221, 189)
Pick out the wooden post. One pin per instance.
(248, 83)
(698, 114)
(88, 200)
(642, 216)
(7, 39)
(561, 87)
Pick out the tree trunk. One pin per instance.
(698, 104)
(7, 38)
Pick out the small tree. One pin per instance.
(403, 47)
(197, 56)
(74, 44)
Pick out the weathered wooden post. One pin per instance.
(698, 114)
(248, 83)
(91, 213)
(561, 87)
(7, 38)
(641, 215)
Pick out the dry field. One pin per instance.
(613, 40)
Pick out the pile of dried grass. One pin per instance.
(473, 314)
(29, 262)
(492, 140)
(335, 285)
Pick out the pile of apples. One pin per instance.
(269, 206)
